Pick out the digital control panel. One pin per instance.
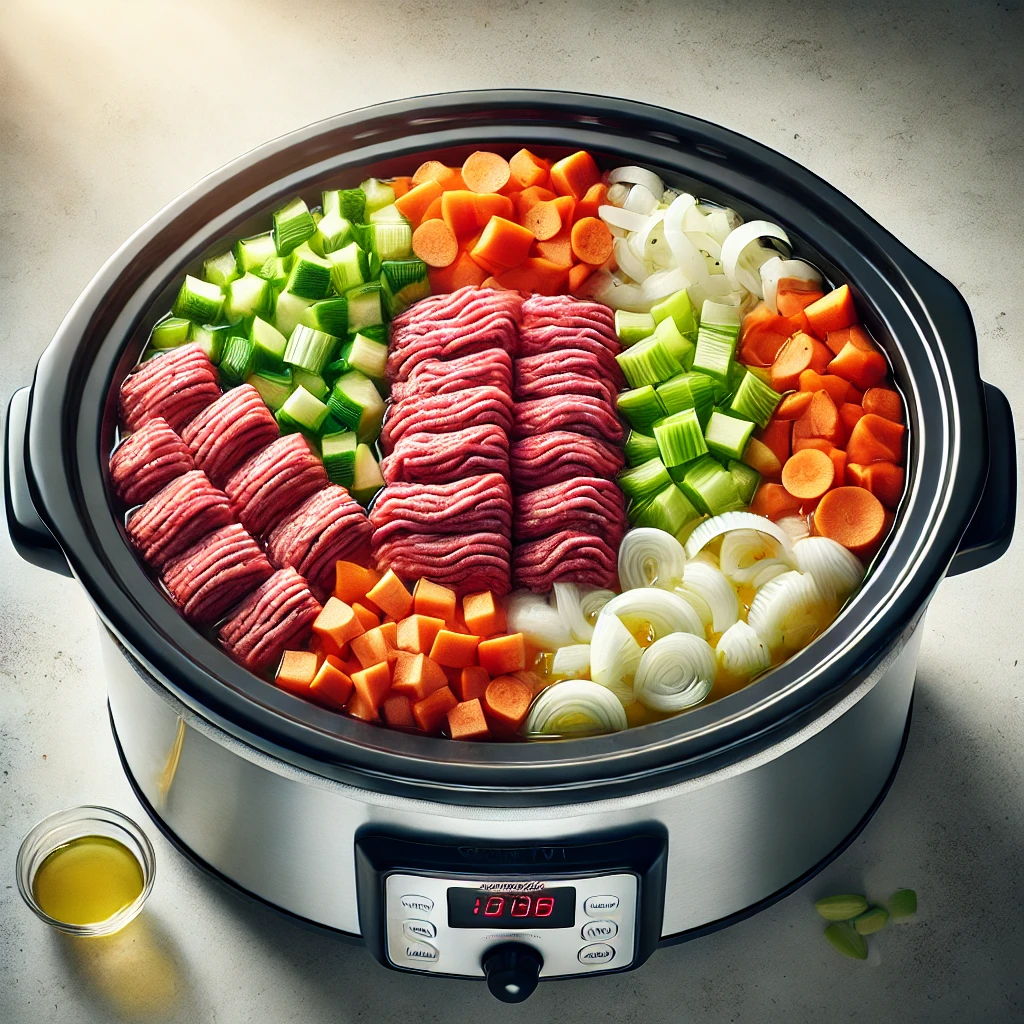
(445, 925)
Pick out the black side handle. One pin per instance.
(29, 535)
(991, 530)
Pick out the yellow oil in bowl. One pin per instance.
(87, 880)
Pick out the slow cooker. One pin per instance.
(649, 836)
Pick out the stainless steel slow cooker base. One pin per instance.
(736, 837)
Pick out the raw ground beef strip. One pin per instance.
(586, 504)
(441, 414)
(538, 341)
(561, 455)
(567, 556)
(229, 431)
(277, 616)
(565, 386)
(188, 508)
(147, 460)
(465, 562)
(492, 366)
(566, 311)
(448, 343)
(580, 414)
(175, 386)
(531, 369)
(269, 485)
(457, 308)
(215, 574)
(479, 504)
(441, 458)
(328, 527)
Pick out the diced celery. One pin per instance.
(332, 233)
(648, 362)
(755, 400)
(292, 226)
(641, 407)
(310, 275)
(356, 403)
(640, 447)
(643, 481)
(364, 306)
(309, 349)
(289, 311)
(387, 215)
(716, 339)
(711, 488)
(688, 391)
(247, 295)
(276, 271)
(211, 339)
(253, 253)
(270, 345)
(367, 479)
(668, 510)
(221, 269)
(727, 436)
(305, 409)
(679, 438)
(369, 357)
(403, 283)
(274, 388)
(199, 301)
(349, 267)
(350, 203)
(679, 307)
(170, 333)
(681, 348)
(339, 454)
(238, 359)
(633, 327)
(745, 478)
(329, 316)
(312, 382)
(378, 194)
(390, 241)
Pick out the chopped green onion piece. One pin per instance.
(310, 276)
(171, 333)
(274, 388)
(378, 194)
(726, 436)
(305, 409)
(312, 382)
(754, 400)
(339, 455)
(746, 479)
(238, 360)
(633, 327)
(332, 233)
(369, 357)
(292, 226)
(682, 348)
(679, 438)
(246, 296)
(679, 308)
(641, 407)
(349, 267)
(669, 510)
(328, 315)
(367, 479)
(688, 391)
(716, 339)
(270, 345)
(199, 301)
(289, 311)
(221, 269)
(710, 487)
(309, 349)
(350, 203)
(356, 403)
(648, 362)
(640, 447)
(364, 306)
(644, 481)
(253, 253)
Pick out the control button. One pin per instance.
(421, 951)
(425, 930)
(421, 904)
(592, 930)
(598, 953)
(598, 906)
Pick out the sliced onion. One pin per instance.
(621, 218)
(575, 707)
(688, 257)
(742, 255)
(698, 604)
(641, 200)
(618, 193)
(789, 611)
(663, 283)
(650, 558)
(741, 653)
(639, 239)
(637, 176)
(717, 288)
(710, 584)
(540, 624)
(614, 656)
(745, 553)
(836, 570)
(768, 571)
(569, 602)
(777, 269)
(662, 611)
(675, 672)
(572, 661)
(669, 195)
(610, 290)
(592, 602)
(795, 526)
(708, 530)
(628, 262)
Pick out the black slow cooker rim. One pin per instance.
(932, 345)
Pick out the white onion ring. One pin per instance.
(675, 672)
(650, 558)
(555, 707)
(637, 176)
(737, 243)
(707, 531)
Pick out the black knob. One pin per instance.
(512, 971)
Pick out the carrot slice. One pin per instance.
(763, 334)
(838, 457)
(801, 352)
(390, 595)
(484, 171)
(558, 249)
(432, 710)
(865, 368)
(336, 625)
(529, 197)
(579, 274)
(535, 274)
(836, 340)
(464, 271)
(777, 436)
(543, 219)
(529, 169)
(503, 654)
(455, 650)
(434, 242)
(759, 456)
(832, 312)
(458, 211)
(297, 671)
(883, 479)
(820, 420)
(433, 211)
(466, 721)
(483, 613)
(794, 405)
(848, 416)
(591, 241)
(434, 170)
(506, 703)
(596, 197)
(332, 686)
(488, 206)
(417, 200)
(884, 402)
(808, 474)
(416, 633)
(818, 443)
(837, 388)
(397, 711)
(575, 174)
(469, 682)
(372, 648)
(503, 244)
(851, 516)
(432, 599)
(876, 439)
(773, 501)
(401, 186)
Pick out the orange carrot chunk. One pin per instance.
(372, 648)
(820, 420)
(529, 197)
(503, 244)
(763, 334)
(838, 457)
(837, 388)
(503, 654)
(557, 250)
(883, 479)
(401, 185)
(434, 170)
(579, 274)
(884, 402)
(851, 516)
(864, 368)
(535, 274)
(876, 439)
(543, 219)
(359, 707)
(418, 200)
(432, 599)
(367, 616)
(458, 211)
(773, 501)
(332, 686)
(808, 474)
(574, 175)
(431, 711)
(456, 650)
(397, 711)
(596, 197)
(435, 243)
(801, 444)
(591, 241)
(353, 582)
(416, 633)
(777, 436)
(373, 683)
(832, 312)
(485, 172)
(506, 702)
(469, 682)
(483, 613)
(801, 352)
(390, 595)
(794, 405)
(433, 211)
(793, 295)
(336, 625)
(528, 169)
(466, 721)
(416, 675)
(297, 671)
(837, 340)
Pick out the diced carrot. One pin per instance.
(317, 648)
(848, 416)
(801, 444)
(432, 599)
(529, 197)
(416, 633)
(401, 186)
(837, 388)
(596, 197)
(390, 595)
(484, 171)
(506, 702)
(297, 671)
(389, 629)
(503, 244)
(455, 182)
(832, 312)
(397, 711)
(332, 686)
(434, 242)
(557, 250)
(483, 613)
(759, 456)
(348, 665)
(433, 211)
(503, 654)
(359, 707)
(762, 336)
(367, 617)
(574, 175)
(336, 625)
(862, 367)
(876, 439)
(434, 170)
(773, 501)
(373, 683)
(353, 582)
(488, 206)
(418, 199)
(458, 211)
(372, 648)
(535, 274)
(799, 353)
(431, 711)
(529, 169)
(469, 682)
(793, 295)
(456, 650)
(466, 721)
(579, 274)
(591, 241)
(464, 271)
(851, 516)
(883, 479)
(808, 474)
(777, 436)
(543, 220)
(837, 340)
(794, 405)
(838, 457)
(416, 675)
(884, 402)
(820, 420)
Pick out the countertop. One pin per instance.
(110, 109)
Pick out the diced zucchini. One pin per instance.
(727, 436)
(387, 215)
(305, 409)
(679, 438)
(276, 271)
(339, 454)
(390, 241)
(378, 194)
(309, 349)
(310, 275)
(633, 327)
(640, 448)
(332, 233)
(211, 340)
(270, 345)
(403, 282)
(238, 360)
(274, 388)
(640, 406)
(329, 316)
(221, 269)
(292, 226)
(349, 202)
(366, 479)
(170, 333)
(312, 382)
(199, 301)
(366, 356)
(356, 403)
(376, 332)
(745, 478)
(364, 306)
(247, 295)
(289, 311)
(253, 253)
(349, 267)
